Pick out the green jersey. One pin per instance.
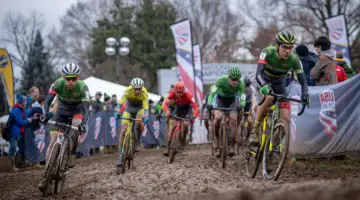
(224, 89)
(70, 96)
(275, 67)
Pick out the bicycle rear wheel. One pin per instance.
(50, 168)
(253, 159)
(61, 167)
(223, 142)
(174, 143)
(276, 150)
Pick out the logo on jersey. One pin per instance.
(262, 56)
(328, 113)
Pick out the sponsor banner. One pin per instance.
(198, 73)
(338, 36)
(331, 124)
(184, 55)
(6, 76)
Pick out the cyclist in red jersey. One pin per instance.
(183, 101)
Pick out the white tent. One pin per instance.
(110, 88)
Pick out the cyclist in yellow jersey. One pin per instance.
(135, 99)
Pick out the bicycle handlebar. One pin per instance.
(226, 109)
(61, 125)
(131, 119)
(287, 98)
(180, 118)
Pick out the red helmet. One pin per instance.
(179, 87)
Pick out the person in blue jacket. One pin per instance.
(18, 122)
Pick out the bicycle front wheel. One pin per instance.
(223, 143)
(173, 145)
(276, 150)
(61, 168)
(253, 158)
(49, 172)
(126, 152)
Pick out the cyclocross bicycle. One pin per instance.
(128, 145)
(274, 142)
(224, 134)
(176, 136)
(57, 168)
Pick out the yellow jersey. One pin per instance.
(137, 100)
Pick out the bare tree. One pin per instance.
(19, 34)
(214, 25)
(72, 40)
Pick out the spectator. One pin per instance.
(357, 70)
(18, 121)
(341, 75)
(96, 104)
(308, 60)
(107, 103)
(324, 71)
(35, 112)
(158, 106)
(151, 106)
(33, 97)
(339, 60)
(114, 101)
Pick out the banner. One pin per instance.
(184, 56)
(338, 36)
(198, 73)
(331, 125)
(6, 75)
(103, 130)
(211, 72)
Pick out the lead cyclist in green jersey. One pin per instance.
(73, 108)
(274, 63)
(227, 93)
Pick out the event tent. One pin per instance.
(110, 88)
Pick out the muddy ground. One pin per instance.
(194, 175)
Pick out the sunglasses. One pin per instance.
(287, 47)
(71, 79)
(235, 79)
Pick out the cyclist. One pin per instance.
(228, 92)
(182, 100)
(136, 99)
(72, 108)
(273, 65)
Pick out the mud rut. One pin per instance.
(193, 175)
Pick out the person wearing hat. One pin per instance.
(96, 104)
(339, 60)
(18, 121)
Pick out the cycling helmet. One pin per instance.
(247, 82)
(137, 83)
(179, 87)
(235, 73)
(71, 70)
(285, 37)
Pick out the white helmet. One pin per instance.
(70, 70)
(137, 83)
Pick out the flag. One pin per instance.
(198, 73)
(338, 36)
(183, 42)
(6, 76)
